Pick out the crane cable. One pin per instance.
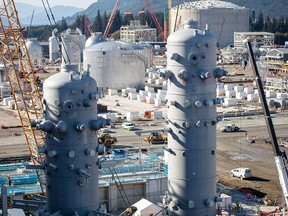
(177, 12)
(58, 37)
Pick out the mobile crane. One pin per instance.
(12, 49)
(280, 157)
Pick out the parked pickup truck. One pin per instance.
(230, 128)
(128, 125)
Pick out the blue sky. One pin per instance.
(75, 3)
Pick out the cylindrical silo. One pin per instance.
(116, 64)
(224, 18)
(71, 146)
(54, 49)
(35, 52)
(191, 94)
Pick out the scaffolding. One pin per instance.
(258, 39)
(277, 83)
(137, 33)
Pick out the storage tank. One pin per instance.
(54, 47)
(94, 38)
(116, 64)
(35, 52)
(224, 18)
(191, 94)
(71, 144)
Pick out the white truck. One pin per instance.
(128, 125)
(230, 128)
(242, 173)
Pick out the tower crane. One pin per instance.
(12, 49)
(150, 9)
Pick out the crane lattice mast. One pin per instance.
(26, 94)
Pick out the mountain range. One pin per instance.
(267, 7)
(25, 11)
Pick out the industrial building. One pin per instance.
(223, 18)
(258, 39)
(135, 32)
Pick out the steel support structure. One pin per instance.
(13, 50)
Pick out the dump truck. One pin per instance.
(106, 139)
(230, 128)
(156, 138)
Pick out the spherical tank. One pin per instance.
(116, 64)
(35, 51)
(71, 147)
(191, 94)
(94, 38)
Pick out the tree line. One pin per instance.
(98, 24)
(278, 26)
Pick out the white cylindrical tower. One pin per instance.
(192, 73)
(54, 49)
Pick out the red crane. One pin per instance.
(150, 9)
(87, 25)
(109, 24)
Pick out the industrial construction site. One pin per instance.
(194, 125)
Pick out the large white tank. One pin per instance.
(223, 18)
(116, 64)
(54, 49)
(35, 51)
(94, 38)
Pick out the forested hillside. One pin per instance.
(273, 9)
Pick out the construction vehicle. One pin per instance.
(106, 139)
(279, 156)
(230, 128)
(156, 138)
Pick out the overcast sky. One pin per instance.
(75, 3)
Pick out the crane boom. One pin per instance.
(87, 25)
(151, 11)
(110, 21)
(12, 48)
(280, 157)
